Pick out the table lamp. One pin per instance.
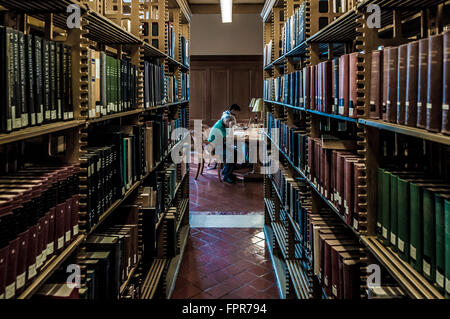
(258, 106)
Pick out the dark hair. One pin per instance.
(235, 107)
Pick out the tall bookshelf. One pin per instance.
(117, 28)
(329, 35)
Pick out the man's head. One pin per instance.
(228, 121)
(234, 109)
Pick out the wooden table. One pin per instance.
(250, 135)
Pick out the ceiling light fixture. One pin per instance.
(226, 8)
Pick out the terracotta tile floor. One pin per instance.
(207, 194)
(226, 263)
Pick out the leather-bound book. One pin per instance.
(351, 275)
(344, 85)
(376, 84)
(327, 173)
(335, 86)
(385, 68)
(353, 86)
(319, 99)
(435, 80)
(446, 86)
(412, 73)
(349, 186)
(401, 83)
(423, 84)
(392, 77)
(60, 213)
(312, 88)
(327, 87)
(348, 247)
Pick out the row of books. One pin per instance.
(293, 142)
(329, 87)
(113, 163)
(184, 87)
(336, 256)
(184, 51)
(170, 39)
(36, 85)
(38, 218)
(268, 53)
(112, 84)
(410, 84)
(172, 89)
(153, 84)
(413, 219)
(294, 29)
(339, 177)
(110, 255)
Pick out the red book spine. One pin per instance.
(423, 84)
(351, 276)
(385, 69)
(435, 80)
(68, 222)
(446, 93)
(339, 181)
(334, 272)
(310, 157)
(376, 85)
(412, 71)
(353, 98)
(401, 83)
(4, 253)
(11, 271)
(327, 269)
(333, 171)
(51, 232)
(307, 84)
(59, 226)
(348, 190)
(344, 85)
(22, 261)
(327, 177)
(32, 252)
(391, 103)
(312, 88)
(40, 243)
(328, 87)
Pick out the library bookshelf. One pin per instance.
(330, 30)
(122, 30)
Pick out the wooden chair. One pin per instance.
(208, 151)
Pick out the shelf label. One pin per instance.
(384, 233)
(401, 245)
(439, 279)
(355, 224)
(60, 242)
(32, 271)
(76, 229)
(67, 236)
(49, 249)
(393, 239)
(447, 285)
(10, 290)
(334, 290)
(39, 261)
(426, 268)
(412, 252)
(20, 280)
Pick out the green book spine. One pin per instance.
(116, 89)
(385, 206)
(447, 248)
(429, 257)
(403, 219)
(393, 213)
(108, 84)
(416, 237)
(440, 241)
(380, 203)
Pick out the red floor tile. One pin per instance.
(246, 292)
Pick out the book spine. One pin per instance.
(391, 103)
(16, 106)
(423, 84)
(446, 85)
(353, 98)
(435, 80)
(22, 81)
(376, 85)
(402, 84)
(412, 70)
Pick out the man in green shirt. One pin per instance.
(217, 136)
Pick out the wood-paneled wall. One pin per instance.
(216, 82)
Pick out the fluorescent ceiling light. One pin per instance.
(226, 7)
